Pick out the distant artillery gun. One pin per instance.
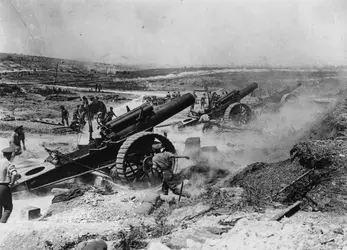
(225, 110)
(123, 153)
(282, 97)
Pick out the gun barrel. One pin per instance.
(237, 95)
(248, 89)
(160, 114)
(123, 121)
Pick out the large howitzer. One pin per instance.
(282, 96)
(228, 107)
(124, 151)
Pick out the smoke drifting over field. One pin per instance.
(178, 32)
(281, 130)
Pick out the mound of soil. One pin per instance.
(316, 171)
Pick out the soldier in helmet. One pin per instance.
(163, 162)
(8, 177)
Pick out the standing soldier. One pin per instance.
(178, 94)
(17, 138)
(64, 116)
(163, 161)
(8, 177)
(76, 114)
(85, 101)
(209, 95)
(203, 101)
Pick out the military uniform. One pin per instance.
(164, 162)
(202, 102)
(65, 117)
(16, 138)
(7, 170)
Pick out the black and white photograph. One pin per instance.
(173, 124)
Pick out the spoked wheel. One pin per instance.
(238, 113)
(134, 159)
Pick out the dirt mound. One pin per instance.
(316, 171)
(330, 125)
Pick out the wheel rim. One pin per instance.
(240, 114)
(134, 164)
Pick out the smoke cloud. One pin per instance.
(178, 32)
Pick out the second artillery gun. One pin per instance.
(124, 151)
(227, 108)
(286, 95)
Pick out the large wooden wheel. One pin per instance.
(134, 159)
(238, 113)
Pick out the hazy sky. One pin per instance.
(178, 32)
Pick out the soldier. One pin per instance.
(76, 113)
(8, 177)
(64, 116)
(168, 95)
(17, 137)
(178, 94)
(203, 101)
(85, 101)
(163, 162)
(205, 119)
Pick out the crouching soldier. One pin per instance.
(163, 162)
(8, 177)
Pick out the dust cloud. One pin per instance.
(281, 129)
(178, 32)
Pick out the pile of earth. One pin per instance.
(315, 172)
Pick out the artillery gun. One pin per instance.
(284, 96)
(227, 107)
(124, 151)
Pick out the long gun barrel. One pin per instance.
(237, 95)
(145, 117)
